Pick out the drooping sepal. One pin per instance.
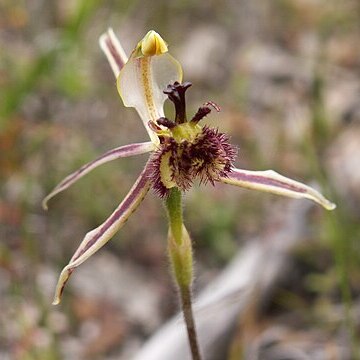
(120, 152)
(272, 182)
(97, 238)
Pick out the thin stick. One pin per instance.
(186, 303)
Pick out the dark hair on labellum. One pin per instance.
(209, 157)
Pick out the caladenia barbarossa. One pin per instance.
(181, 150)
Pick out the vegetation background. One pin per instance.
(286, 75)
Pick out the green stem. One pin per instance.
(174, 210)
(180, 254)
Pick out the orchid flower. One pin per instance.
(181, 150)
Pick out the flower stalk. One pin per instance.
(174, 210)
(180, 254)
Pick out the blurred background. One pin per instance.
(286, 75)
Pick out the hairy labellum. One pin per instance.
(188, 151)
(207, 157)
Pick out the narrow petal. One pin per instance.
(113, 50)
(97, 238)
(272, 182)
(144, 78)
(122, 151)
